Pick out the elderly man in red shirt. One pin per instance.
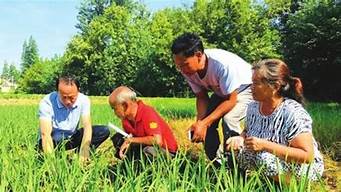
(145, 125)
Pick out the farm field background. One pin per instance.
(21, 170)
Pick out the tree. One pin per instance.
(10, 72)
(312, 47)
(91, 9)
(159, 76)
(110, 52)
(5, 71)
(30, 54)
(239, 26)
(40, 77)
(14, 73)
(121, 44)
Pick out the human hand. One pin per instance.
(124, 148)
(199, 129)
(84, 158)
(84, 161)
(235, 143)
(254, 143)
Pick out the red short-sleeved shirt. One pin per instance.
(148, 123)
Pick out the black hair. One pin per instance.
(69, 79)
(187, 44)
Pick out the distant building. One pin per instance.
(7, 85)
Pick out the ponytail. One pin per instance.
(293, 89)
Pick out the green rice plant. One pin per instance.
(326, 123)
(22, 169)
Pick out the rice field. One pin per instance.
(21, 169)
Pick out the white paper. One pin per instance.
(118, 130)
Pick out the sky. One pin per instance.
(50, 22)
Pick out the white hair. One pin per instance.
(125, 95)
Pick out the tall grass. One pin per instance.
(326, 122)
(21, 169)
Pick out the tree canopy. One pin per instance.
(29, 54)
(121, 42)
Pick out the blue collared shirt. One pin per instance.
(64, 120)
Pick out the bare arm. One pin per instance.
(202, 104)
(300, 149)
(147, 140)
(223, 108)
(86, 140)
(200, 127)
(46, 139)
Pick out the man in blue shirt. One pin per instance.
(59, 116)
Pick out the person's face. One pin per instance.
(188, 65)
(261, 91)
(119, 110)
(68, 94)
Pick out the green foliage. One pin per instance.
(238, 26)
(13, 73)
(122, 43)
(312, 47)
(150, 68)
(90, 9)
(277, 7)
(5, 71)
(29, 54)
(160, 72)
(325, 132)
(111, 51)
(22, 170)
(10, 72)
(40, 77)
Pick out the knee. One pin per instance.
(117, 140)
(229, 132)
(232, 125)
(150, 151)
(100, 131)
(231, 120)
(269, 163)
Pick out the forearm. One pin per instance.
(86, 141)
(201, 104)
(47, 144)
(220, 111)
(46, 138)
(287, 153)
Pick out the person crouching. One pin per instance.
(149, 131)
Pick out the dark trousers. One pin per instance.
(212, 141)
(99, 134)
(135, 151)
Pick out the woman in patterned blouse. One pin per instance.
(278, 135)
